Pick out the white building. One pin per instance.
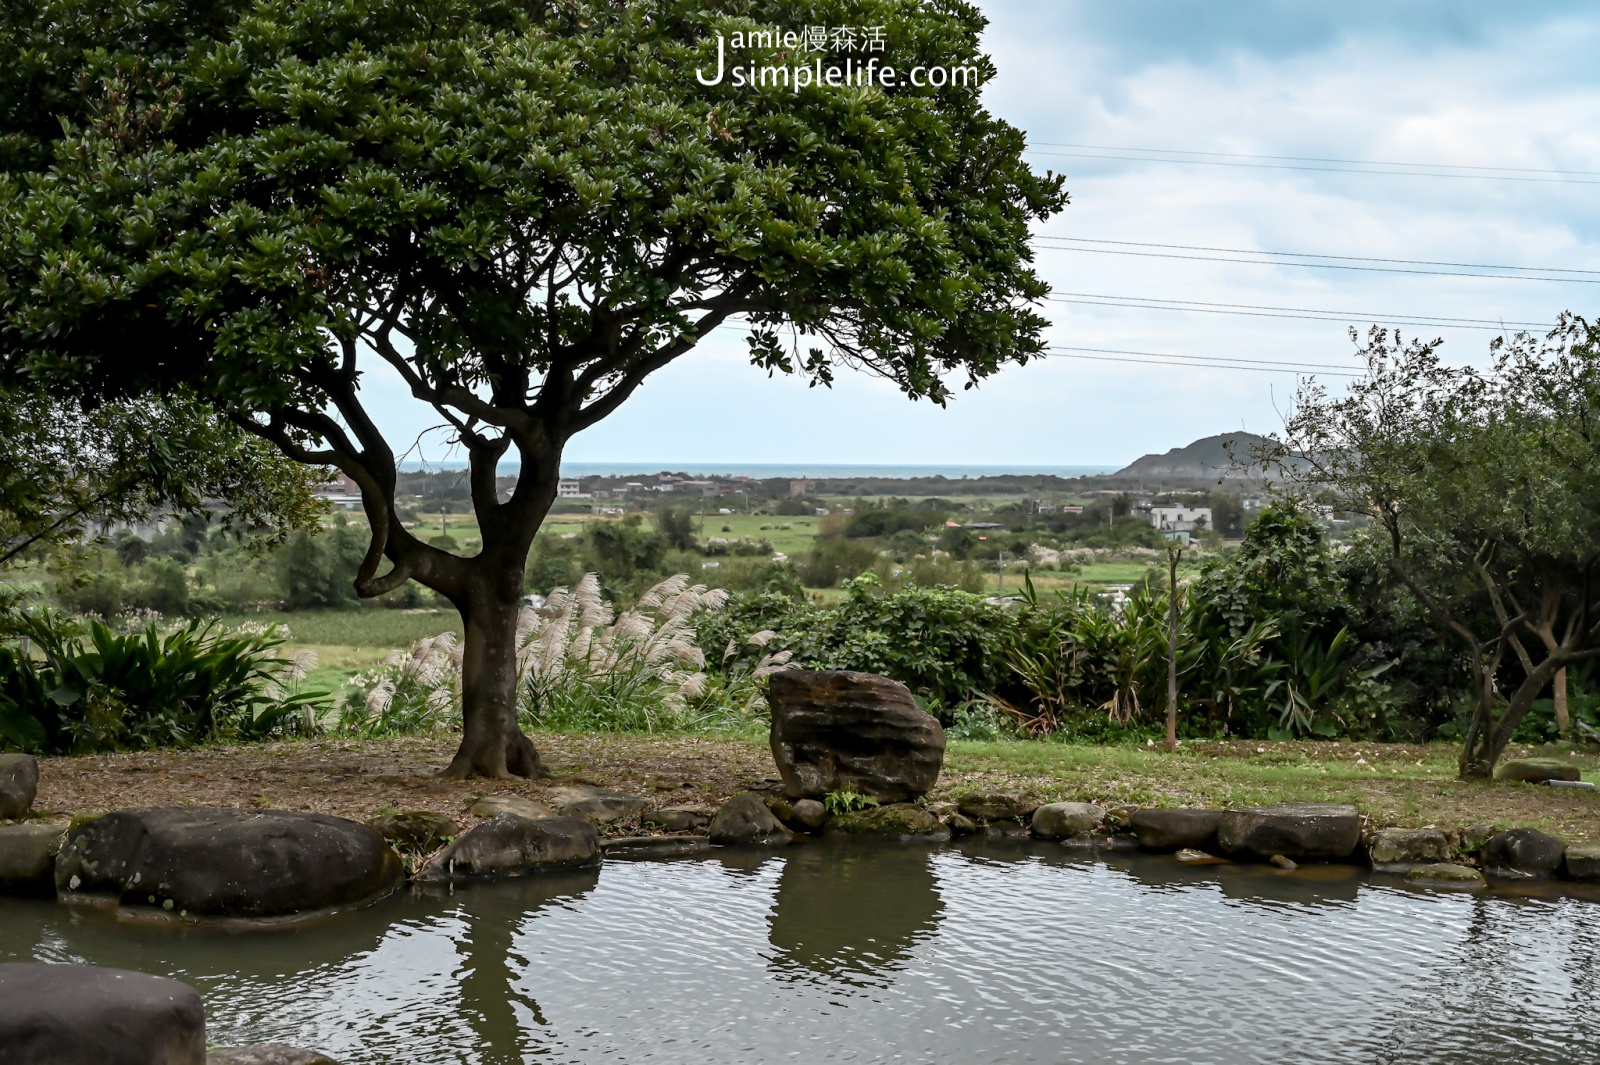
(1180, 519)
(570, 488)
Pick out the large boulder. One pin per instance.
(1169, 830)
(268, 1054)
(595, 804)
(86, 1015)
(1537, 770)
(1397, 850)
(508, 845)
(1522, 853)
(1583, 862)
(1301, 830)
(746, 821)
(197, 861)
(19, 785)
(997, 805)
(842, 731)
(1063, 820)
(898, 821)
(28, 858)
(415, 830)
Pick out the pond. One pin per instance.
(1027, 952)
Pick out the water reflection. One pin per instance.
(852, 913)
(984, 952)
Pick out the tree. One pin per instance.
(1486, 489)
(67, 468)
(523, 209)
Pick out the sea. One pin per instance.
(793, 470)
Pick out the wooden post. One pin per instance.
(1174, 553)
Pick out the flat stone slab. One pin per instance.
(596, 804)
(1170, 829)
(1521, 853)
(654, 846)
(1396, 850)
(1303, 831)
(1537, 770)
(268, 1054)
(837, 730)
(88, 1015)
(507, 845)
(997, 805)
(1446, 876)
(197, 861)
(28, 858)
(679, 818)
(1063, 820)
(1583, 862)
(19, 785)
(897, 821)
(490, 805)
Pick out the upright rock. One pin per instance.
(746, 821)
(1583, 862)
(227, 863)
(1301, 830)
(86, 1015)
(508, 845)
(19, 785)
(1522, 853)
(844, 731)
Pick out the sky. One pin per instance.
(1456, 86)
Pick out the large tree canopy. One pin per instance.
(1484, 487)
(522, 208)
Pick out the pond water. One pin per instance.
(859, 953)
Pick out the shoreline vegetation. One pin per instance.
(1391, 785)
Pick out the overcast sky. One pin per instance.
(1445, 83)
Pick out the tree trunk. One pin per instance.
(491, 743)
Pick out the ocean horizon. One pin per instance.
(793, 470)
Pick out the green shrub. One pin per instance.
(92, 688)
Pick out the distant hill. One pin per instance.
(1206, 458)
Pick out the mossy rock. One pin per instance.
(1537, 770)
(901, 820)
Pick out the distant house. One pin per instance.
(340, 490)
(570, 488)
(1180, 519)
(802, 487)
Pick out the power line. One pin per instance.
(1252, 310)
(1321, 159)
(1558, 177)
(1215, 362)
(1323, 255)
(1314, 266)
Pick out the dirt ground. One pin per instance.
(1393, 784)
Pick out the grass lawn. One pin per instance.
(349, 641)
(794, 541)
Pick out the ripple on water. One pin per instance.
(891, 954)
